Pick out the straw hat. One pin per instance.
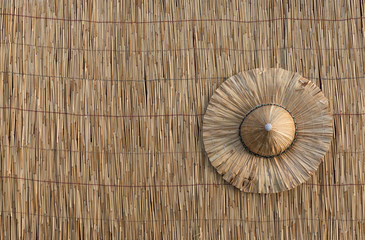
(267, 130)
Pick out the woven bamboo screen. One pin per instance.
(101, 113)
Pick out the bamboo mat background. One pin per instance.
(101, 114)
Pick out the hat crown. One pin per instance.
(268, 130)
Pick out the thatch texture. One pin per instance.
(101, 116)
(267, 161)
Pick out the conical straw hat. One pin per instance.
(267, 130)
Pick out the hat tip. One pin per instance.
(268, 127)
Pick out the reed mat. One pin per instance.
(101, 111)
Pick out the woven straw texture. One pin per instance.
(101, 112)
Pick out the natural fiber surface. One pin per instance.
(101, 113)
(253, 159)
